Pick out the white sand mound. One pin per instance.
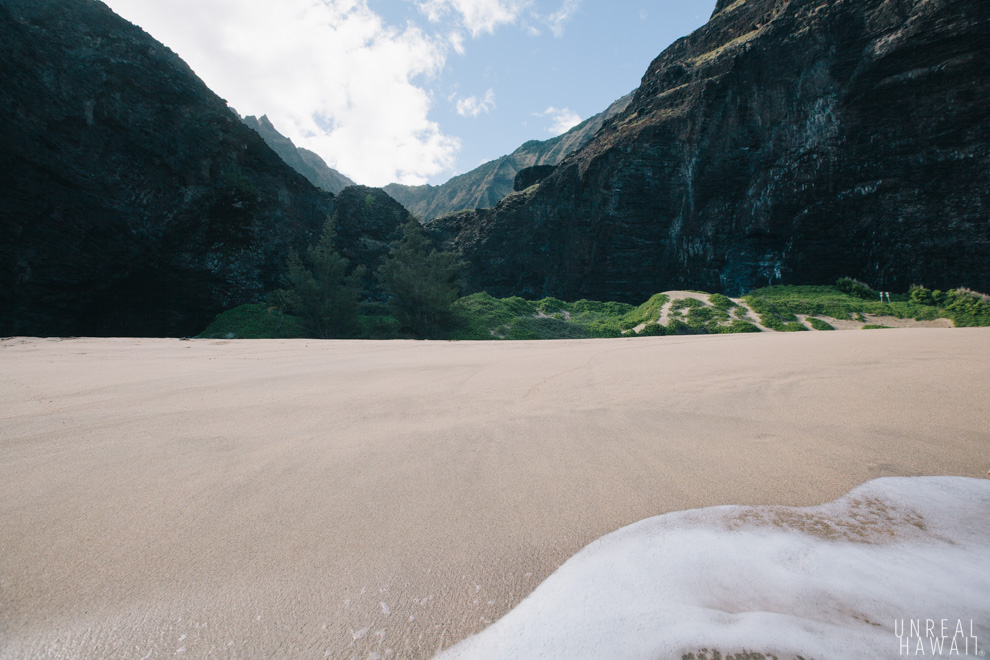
(859, 577)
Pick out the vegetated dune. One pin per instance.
(389, 499)
(745, 313)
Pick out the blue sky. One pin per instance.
(417, 91)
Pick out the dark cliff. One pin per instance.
(787, 141)
(135, 202)
(531, 176)
(367, 223)
(485, 186)
(304, 161)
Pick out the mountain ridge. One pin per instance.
(304, 161)
(486, 185)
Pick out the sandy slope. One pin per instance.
(297, 497)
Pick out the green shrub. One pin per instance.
(610, 309)
(628, 324)
(874, 326)
(652, 330)
(551, 306)
(255, 321)
(604, 329)
(772, 315)
(544, 327)
(856, 288)
(921, 295)
(679, 327)
(380, 326)
(474, 317)
(720, 301)
(699, 316)
(819, 324)
(687, 303)
(738, 326)
(968, 308)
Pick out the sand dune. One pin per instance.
(388, 499)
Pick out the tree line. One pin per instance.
(419, 284)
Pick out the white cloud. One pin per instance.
(477, 16)
(456, 40)
(562, 119)
(472, 106)
(330, 75)
(559, 18)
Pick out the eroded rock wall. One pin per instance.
(786, 141)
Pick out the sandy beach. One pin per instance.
(387, 499)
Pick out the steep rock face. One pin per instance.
(531, 176)
(304, 161)
(135, 201)
(485, 186)
(787, 141)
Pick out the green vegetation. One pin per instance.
(722, 302)
(480, 316)
(696, 317)
(874, 326)
(422, 302)
(848, 299)
(778, 305)
(774, 314)
(819, 324)
(321, 291)
(966, 308)
(856, 289)
(255, 321)
(240, 182)
(737, 326)
(377, 323)
(421, 283)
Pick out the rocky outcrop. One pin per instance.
(367, 223)
(785, 141)
(531, 176)
(304, 161)
(135, 201)
(488, 184)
